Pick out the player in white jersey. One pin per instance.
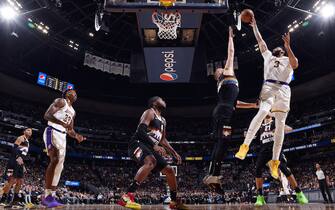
(60, 116)
(275, 95)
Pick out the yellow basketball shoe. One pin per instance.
(274, 165)
(242, 152)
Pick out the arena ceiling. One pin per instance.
(27, 50)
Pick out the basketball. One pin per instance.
(247, 15)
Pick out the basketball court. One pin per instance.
(209, 207)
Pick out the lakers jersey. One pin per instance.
(65, 114)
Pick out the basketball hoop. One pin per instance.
(167, 23)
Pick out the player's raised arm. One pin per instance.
(53, 108)
(261, 43)
(231, 50)
(71, 132)
(287, 44)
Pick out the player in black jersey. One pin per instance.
(148, 147)
(228, 89)
(15, 169)
(264, 155)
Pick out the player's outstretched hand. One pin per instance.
(160, 150)
(178, 158)
(253, 22)
(80, 138)
(287, 39)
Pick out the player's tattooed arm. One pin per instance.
(245, 105)
(53, 108)
(164, 142)
(19, 140)
(287, 44)
(170, 149)
(71, 132)
(261, 43)
(231, 50)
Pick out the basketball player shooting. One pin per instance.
(148, 147)
(275, 95)
(15, 170)
(60, 116)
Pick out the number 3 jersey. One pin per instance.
(65, 114)
(277, 68)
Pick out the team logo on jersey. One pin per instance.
(168, 76)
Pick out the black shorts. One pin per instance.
(265, 156)
(138, 151)
(14, 170)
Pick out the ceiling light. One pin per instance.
(327, 11)
(8, 13)
(91, 34)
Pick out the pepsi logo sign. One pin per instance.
(169, 70)
(168, 76)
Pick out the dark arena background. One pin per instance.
(115, 57)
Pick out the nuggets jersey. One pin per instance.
(21, 150)
(65, 114)
(266, 135)
(156, 128)
(277, 68)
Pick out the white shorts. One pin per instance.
(278, 96)
(54, 138)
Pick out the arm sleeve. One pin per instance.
(143, 135)
(267, 55)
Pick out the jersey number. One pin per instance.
(67, 118)
(276, 64)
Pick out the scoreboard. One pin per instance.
(53, 82)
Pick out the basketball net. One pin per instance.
(167, 23)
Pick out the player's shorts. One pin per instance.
(138, 151)
(55, 138)
(14, 170)
(265, 156)
(278, 96)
